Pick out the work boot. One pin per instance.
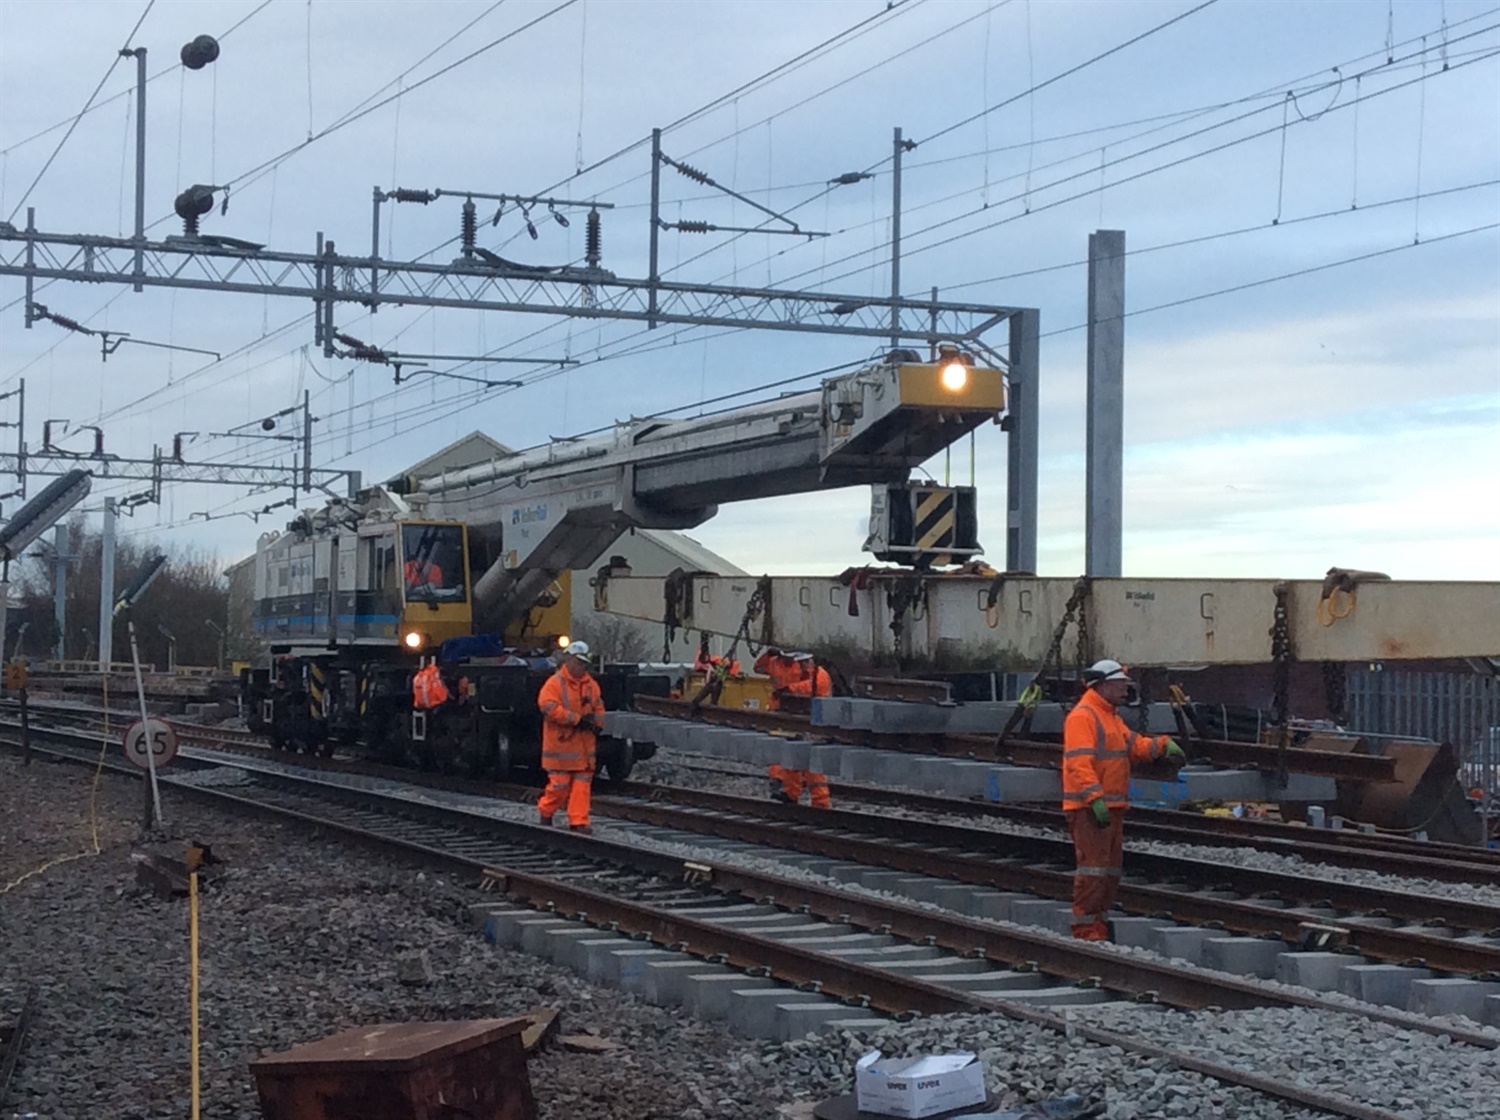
(543, 819)
(778, 793)
(586, 830)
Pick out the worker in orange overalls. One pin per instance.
(796, 674)
(572, 717)
(1097, 751)
(428, 689)
(423, 572)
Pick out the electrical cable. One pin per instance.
(1286, 276)
(115, 61)
(112, 98)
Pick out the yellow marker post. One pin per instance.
(193, 979)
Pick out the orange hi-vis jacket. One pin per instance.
(564, 700)
(818, 683)
(784, 673)
(1097, 751)
(428, 689)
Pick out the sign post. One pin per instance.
(150, 743)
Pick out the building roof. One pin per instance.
(470, 451)
(694, 556)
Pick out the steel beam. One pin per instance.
(1151, 622)
(330, 278)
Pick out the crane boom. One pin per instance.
(559, 507)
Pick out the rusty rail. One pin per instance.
(1027, 752)
(835, 833)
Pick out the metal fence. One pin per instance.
(1462, 709)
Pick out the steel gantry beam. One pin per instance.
(161, 468)
(329, 278)
(486, 282)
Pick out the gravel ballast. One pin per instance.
(301, 937)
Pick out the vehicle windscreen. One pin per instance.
(433, 563)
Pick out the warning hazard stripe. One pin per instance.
(935, 519)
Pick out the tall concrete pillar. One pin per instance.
(1022, 441)
(1105, 445)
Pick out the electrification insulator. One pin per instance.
(200, 52)
(70, 324)
(407, 194)
(693, 227)
(692, 173)
(191, 205)
(469, 227)
(593, 239)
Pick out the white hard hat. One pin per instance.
(578, 649)
(1106, 670)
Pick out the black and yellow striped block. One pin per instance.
(317, 690)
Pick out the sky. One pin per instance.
(1310, 194)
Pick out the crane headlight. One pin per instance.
(413, 639)
(563, 641)
(955, 376)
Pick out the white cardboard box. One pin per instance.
(916, 1087)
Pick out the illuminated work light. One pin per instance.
(413, 640)
(955, 376)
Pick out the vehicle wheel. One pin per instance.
(621, 761)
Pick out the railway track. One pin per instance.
(624, 891)
(1380, 924)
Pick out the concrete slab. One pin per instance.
(885, 956)
(831, 943)
(530, 934)
(481, 913)
(920, 888)
(706, 995)
(1388, 984)
(795, 753)
(858, 764)
(994, 905)
(1492, 1010)
(1318, 971)
(807, 928)
(995, 981)
(857, 1026)
(957, 897)
(500, 928)
(662, 983)
(806, 1016)
(881, 879)
(1451, 995)
(826, 758)
(558, 944)
(967, 778)
(752, 1011)
(1184, 943)
(626, 968)
(1243, 956)
(1040, 912)
(1137, 933)
(939, 966)
(758, 921)
(1022, 783)
(1053, 997)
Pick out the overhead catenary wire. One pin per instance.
(73, 124)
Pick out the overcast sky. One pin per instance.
(1348, 416)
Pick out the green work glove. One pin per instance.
(1101, 812)
(1173, 752)
(1030, 697)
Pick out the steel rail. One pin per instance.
(1457, 863)
(765, 824)
(1025, 752)
(522, 883)
(720, 943)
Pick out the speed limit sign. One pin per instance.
(157, 735)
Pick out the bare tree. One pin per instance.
(613, 638)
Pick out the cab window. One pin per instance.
(433, 563)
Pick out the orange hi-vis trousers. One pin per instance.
(793, 781)
(567, 787)
(1096, 879)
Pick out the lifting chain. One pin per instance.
(1334, 693)
(1281, 677)
(758, 606)
(677, 607)
(1052, 662)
